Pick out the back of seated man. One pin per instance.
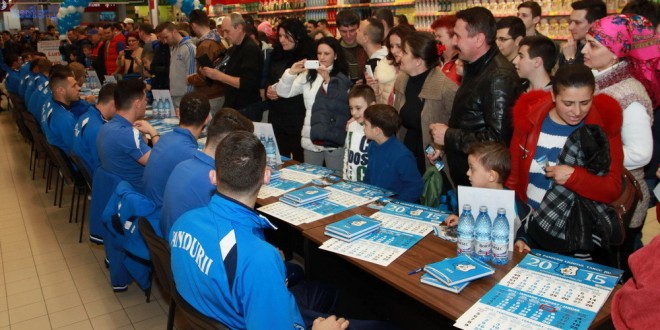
(121, 146)
(189, 185)
(246, 289)
(60, 121)
(177, 146)
(89, 124)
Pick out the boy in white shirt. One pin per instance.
(355, 155)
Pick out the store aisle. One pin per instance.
(48, 279)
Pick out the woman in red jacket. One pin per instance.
(543, 123)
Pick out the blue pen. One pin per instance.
(415, 271)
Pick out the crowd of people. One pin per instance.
(501, 105)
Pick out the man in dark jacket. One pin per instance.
(482, 106)
(160, 67)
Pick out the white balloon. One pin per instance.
(71, 9)
(62, 10)
(60, 15)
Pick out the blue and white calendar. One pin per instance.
(544, 291)
(293, 177)
(403, 225)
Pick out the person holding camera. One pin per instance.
(324, 84)
(130, 59)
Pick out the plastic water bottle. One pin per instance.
(482, 228)
(465, 231)
(167, 108)
(158, 109)
(500, 238)
(271, 155)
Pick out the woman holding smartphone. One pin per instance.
(325, 94)
(130, 59)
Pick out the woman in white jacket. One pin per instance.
(329, 83)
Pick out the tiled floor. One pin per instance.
(48, 279)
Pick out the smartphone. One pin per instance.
(204, 61)
(128, 53)
(438, 163)
(312, 64)
(369, 71)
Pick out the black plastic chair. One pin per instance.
(196, 320)
(87, 189)
(159, 251)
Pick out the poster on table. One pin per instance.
(52, 50)
(544, 291)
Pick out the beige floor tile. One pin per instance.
(23, 285)
(63, 302)
(54, 277)
(9, 248)
(27, 312)
(17, 275)
(42, 258)
(96, 293)
(59, 289)
(102, 307)
(3, 304)
(91, 269)
(82, 325)
(41, 322)
(4, 318)
(144, 311)
(51, 267)
(16, 255)
(25, 298)
(87, 282)
(111, 321)
(67, 316)
(155, 323)
(134, 296)
(17, 264)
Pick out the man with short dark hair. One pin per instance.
(88, 126)
(189, 185)
(348, 23)
(530, 13)
(510, 30)
(536, 58)
(323, 27)
(116, 42)
(386, 17)
(311, 25)
(240, 69)
(122, 149)
(182, 59)
(160, 66)
(584, 13)
(61, 121)
(147, 35)
(483, 103)
(370, 37)
(209, 45)
(177, 146)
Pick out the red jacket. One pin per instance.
(112, 53)
(528, 115)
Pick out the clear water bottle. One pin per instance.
(158, 109)
(465, 231)
(168, 108)
(482, 228)
(271, 154)
(500, 238)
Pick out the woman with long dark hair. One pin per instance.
(325, 94)
(288, 114)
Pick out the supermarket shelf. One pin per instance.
(357, 5)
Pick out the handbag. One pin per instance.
(624, 206)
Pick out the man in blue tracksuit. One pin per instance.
(89, 124)
(221, 263)
(65, 90)
(189, 186)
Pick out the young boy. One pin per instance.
(391, 165)
(355, 155)
(489, 164)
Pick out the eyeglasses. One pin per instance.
(503, 39)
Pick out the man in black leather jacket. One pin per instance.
(484, 101)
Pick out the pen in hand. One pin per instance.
(415, 271)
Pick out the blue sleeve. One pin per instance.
(411, 180)
(68, 132)
(268, 303)
(133, 144)
(120, 46)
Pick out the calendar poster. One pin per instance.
(544, 291)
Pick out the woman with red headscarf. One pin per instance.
(624, 53)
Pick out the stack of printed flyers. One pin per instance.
(290, 178)
(304, 196)
(352, 228)
(454, 274)
(340, 197)
(402, 226)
